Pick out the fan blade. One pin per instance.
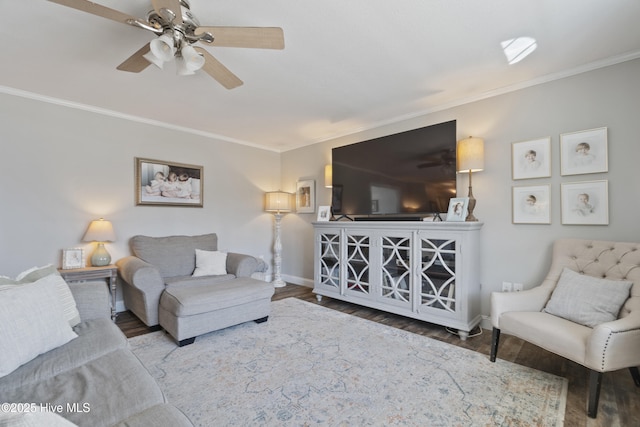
(135, 63)
(172, 5)
(96, 9)
(215, 69)
(255, 37)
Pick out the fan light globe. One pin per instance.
(182, 68)
(193, 60)
(149, 56)
(163, 48)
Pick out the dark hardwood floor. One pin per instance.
(619, 397)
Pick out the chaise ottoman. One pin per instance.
(187, 311)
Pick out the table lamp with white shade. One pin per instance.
(470, 156)
(100, 231)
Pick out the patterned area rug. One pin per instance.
(309, 365)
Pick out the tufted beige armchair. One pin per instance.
(607, 346)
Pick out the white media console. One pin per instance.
(425, 270)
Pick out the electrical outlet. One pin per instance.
(517, 287)
(507, 286)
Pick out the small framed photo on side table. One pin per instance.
(72, 258)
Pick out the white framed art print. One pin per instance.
(531, 204)
(585, 203)
(584, 152)
(531, 159)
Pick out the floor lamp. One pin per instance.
(278, 202)
(470, 156)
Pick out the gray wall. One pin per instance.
(62, 167)
(608, 97)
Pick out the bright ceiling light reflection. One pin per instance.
(518, 49)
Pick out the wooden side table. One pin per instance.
(109, 272)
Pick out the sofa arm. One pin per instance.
(92, 300)
(141, 275)
(615, 345)
(242, 265)
(530, 300)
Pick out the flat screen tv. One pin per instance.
(407, 175)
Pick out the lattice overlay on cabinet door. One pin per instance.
(357, 263)
(438, 274)
(396, 271)
(330, 260)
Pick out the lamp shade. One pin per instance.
(99, 231)
(470, 155)
(328, 176)
(278, 201)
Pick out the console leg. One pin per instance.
(319, 298)
(463, 335)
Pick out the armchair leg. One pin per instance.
(495, 340)
(595, 381)
(636, 375)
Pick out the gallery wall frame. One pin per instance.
(531, 204)
(165, 183)
(306, 196)
(531, 159)
(584, 152)
(585, 203)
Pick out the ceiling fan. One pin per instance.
(178, 30)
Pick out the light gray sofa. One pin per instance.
(159, 286)
(95, 371)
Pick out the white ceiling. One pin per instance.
(347, 65)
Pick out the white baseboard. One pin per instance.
(298, 280)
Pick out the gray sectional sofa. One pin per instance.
(189, 288)
(92, 380)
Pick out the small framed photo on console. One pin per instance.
(458, 209)
(324, 213)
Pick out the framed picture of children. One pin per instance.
(531, 204)
(458, 209)
(161, 183)
(584, 152)
(585, 203)
(531, 159)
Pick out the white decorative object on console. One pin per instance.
(425, 270)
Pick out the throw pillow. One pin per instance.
(66, 297)
(587, 300)
(35, 273)
(210, 263)
(31, 323)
